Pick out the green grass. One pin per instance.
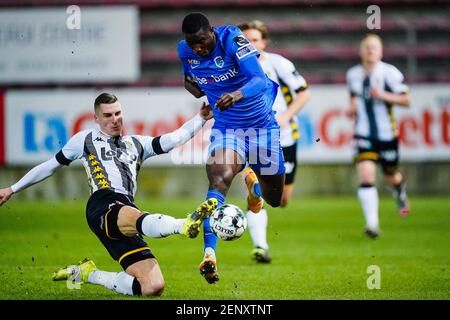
(317, 245)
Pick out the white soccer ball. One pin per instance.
(228, 222)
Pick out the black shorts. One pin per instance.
(102, 210)
(290, 162)
(383, 152)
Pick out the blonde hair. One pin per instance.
(257, 25)
(371, 36)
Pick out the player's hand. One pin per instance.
(228, 99)
(282, 119)
(5, 194)
(377, 93)
(205, 111)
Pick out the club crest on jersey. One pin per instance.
(219, 61)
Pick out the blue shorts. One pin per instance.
(259, 147)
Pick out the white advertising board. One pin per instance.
(45, 45)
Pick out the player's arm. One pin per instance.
(35, 175)
(257, 83)
(167, 142)
(351, 111)
(71, 151)
(400, 99)
(185, 133)
(398, 93)
(353, 103)
(296, 83)
(192, 87)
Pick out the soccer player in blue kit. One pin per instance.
(222, 64)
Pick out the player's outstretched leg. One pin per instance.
(78, 273)
(191, 226)
(208, 266)
(255, 201)
(160, 225)
(222, 167)
(121, 282)
(271, 188)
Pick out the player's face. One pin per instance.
(255, 37)
(109, 118)
(202, 42)
(371, 50)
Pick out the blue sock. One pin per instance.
(209, 238)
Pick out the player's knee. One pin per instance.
(390, 171)
(126, 222)
(153, 289)
(284, 202)
(221, 182)
(275, 203)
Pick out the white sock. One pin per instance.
(368, 197)
(160, 225)
(257, 226)
(210, 253)
(120, 282)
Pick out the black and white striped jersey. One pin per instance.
(283, 72)
(374, 118)
(110, 162)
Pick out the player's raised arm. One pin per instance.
(296, 83)
(71, 151)
(165, 143)
(35, 175)
(183, 134)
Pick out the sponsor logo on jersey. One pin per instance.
(194, 63)
(99, 139)
(119, 154)
(231, 73)
(389, 155)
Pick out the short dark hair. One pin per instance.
(194, 22)
(104, 98)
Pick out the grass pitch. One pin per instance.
(317, 246)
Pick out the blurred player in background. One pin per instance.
(112, 163)
(292, 95)
(220, 63)
(375, 87)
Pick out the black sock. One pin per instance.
(136, 287)
(139, 223)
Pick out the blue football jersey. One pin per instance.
(220, 73)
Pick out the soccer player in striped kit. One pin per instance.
(293, 93)
(375, 87)
(112, 162)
